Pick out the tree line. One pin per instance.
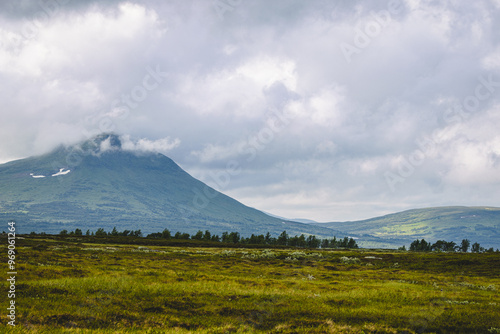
(284, 239)
(447, 246)
(101, 233)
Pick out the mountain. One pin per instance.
(454, 223)
(298, 220)
(98, 183)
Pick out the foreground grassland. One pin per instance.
(75, 286)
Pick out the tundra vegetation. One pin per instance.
(77, 283)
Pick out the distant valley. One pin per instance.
(454, 223)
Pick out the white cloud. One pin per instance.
(75, 42)
(106, 146)
(492, 60)
(265, 71)
(163, 145)
(475, 164)
(213, 152)
(238, 90)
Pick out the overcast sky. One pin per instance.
(320, 109)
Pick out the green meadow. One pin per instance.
(84, 285)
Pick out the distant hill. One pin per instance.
(99, 184)
(478, 224)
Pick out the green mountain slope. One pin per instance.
(478, 224)
(98, 184)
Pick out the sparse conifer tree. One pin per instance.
(344, 242)
(476, 247)
(312, 241)
(352, 243)
(420, 246)
(234, 237)
(100, 232)
(268, 238)
(282, 239)
(464, 246)
(198, 235)
(334, 243)
(166, 234)
(301, 241)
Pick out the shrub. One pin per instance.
(298, 254)
(227, 253)
(264, 254)
(349, 260)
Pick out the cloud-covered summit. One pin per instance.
(330, 110)
(112, 142)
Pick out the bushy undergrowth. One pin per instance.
(350, 260)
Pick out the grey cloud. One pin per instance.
(226, 81)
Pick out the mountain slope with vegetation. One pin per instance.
(98, 184)
(454, 223)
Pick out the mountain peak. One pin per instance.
(112, 138)
(101, 143)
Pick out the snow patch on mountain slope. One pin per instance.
(62, 171)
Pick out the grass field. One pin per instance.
(75, 286)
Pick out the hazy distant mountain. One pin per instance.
(478, 224)
(298, 220)
(99, 184)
